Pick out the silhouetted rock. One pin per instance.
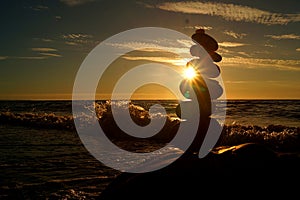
(246, 169)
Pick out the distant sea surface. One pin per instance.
(41, 155)
(263, 112)
(243, 112)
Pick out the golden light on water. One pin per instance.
(189, 73)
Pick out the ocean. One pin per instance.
(42, 157)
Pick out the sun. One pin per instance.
(189, 73)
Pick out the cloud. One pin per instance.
(51, 54)
(231, 44)
(199, 27)
(76, 36)
(230, 12)
(23, 57)
(39, 7)
(3, 57)
(243, 53)
(46, 40)
(269, 45)
(71, 43)
(43, 39)
(235, 35)
(30, 57)
(58, 17)
(186, 43)
(44, 56)
(43, 49)
(180, 46)
(284, 37)
(74, 39)
(160, 50)
(237, 82)
(45, 53)
(269, 82)
(168, 60)
(146, 5)
(232, 52)
(76, 2)
(292, 65)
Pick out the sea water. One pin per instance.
(243, 112)
(41, 155)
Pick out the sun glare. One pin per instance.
(189, 73)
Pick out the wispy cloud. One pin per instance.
(43, 39)
(231, 44)
(232, 52)
(30, 57)
(51, 54)
(42, 57)
(76, 36)
(230, 12)
(77, 39)
(237, 82)
(199, 27)
(43, 49)
(235, 35)
(182, 46)
(3, 57)
(242, 53)
(185, 43)
(39, 8)
(146, 5)
(284, 37)
(242, 62)
(164, 51)
(76, 2)
(269, 82)
(71, 43)
(46, 40)
(135, 45)
(58, 17)
(23, 57)
(269, 45)
(44, 52)
(173, 61)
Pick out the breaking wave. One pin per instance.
(277, 136)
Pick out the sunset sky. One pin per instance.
(43, 43)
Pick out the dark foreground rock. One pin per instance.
(244, 171)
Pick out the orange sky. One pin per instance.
(44, 43)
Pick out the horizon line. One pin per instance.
(144, 99)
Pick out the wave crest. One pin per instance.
(276, 136)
